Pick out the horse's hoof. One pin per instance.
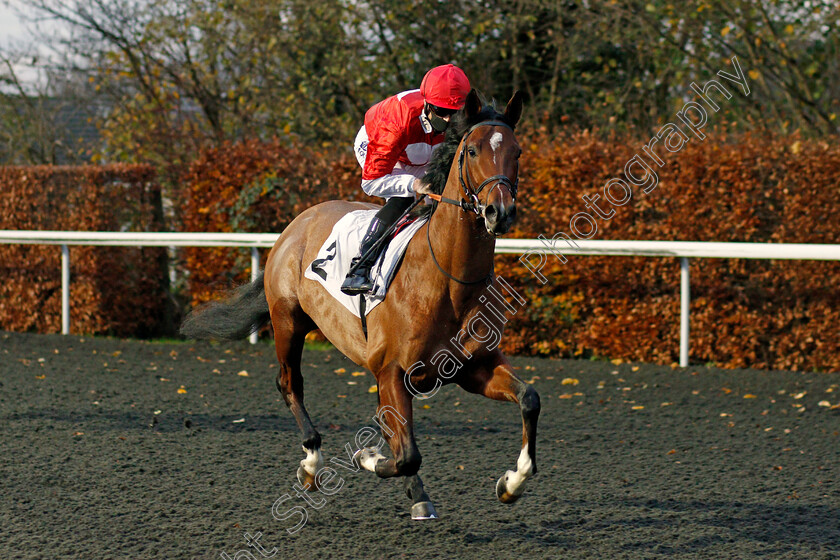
(506, 496)
(423, 510)
(305, 478)
(367, 457)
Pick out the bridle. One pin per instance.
(471, 202)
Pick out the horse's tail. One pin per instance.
(233, 318)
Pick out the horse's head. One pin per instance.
(488, 163)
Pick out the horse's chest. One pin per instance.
(474, 335)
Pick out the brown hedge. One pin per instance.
(114, 290)
(766, 314)
(750, 188)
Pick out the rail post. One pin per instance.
(255, 272)
(65, 290)
(685, 297)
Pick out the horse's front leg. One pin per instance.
(497, 381)
(396, 420)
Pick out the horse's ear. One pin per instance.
(472, 107)
(514, 108)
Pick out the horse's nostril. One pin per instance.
(490, 213)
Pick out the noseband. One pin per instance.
(471, 203)
(466, 182)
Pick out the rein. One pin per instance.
(471, 203)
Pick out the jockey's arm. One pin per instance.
(379, 175)
(391, 185)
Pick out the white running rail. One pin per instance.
(680, 249)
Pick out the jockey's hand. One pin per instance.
(421, 188)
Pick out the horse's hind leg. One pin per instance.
(394, 416)
(289, 335)
(421, 504)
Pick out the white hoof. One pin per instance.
(505, 492)
(367, 458)
(309, 467)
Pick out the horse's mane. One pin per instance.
(443, 157)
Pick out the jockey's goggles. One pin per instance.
(441, 112)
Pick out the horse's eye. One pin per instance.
(518, 154)
(471, 151)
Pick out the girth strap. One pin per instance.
(362, 314)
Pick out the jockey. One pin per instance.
(394, 146)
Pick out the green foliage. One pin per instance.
(181, 76)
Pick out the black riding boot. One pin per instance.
(359, 282)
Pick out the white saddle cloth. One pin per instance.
(333, 260)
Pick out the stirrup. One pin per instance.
(357, 284)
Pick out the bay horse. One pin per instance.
(431, 301)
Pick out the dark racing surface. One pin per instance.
(126, 449)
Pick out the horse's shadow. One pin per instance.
(173, 421)
(166, 422)
(737, 529)
(790, 527)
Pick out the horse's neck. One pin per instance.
(461, 244)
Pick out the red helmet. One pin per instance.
(445, 86)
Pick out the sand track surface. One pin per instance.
(125, 449)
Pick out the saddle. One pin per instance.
(333, 261)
